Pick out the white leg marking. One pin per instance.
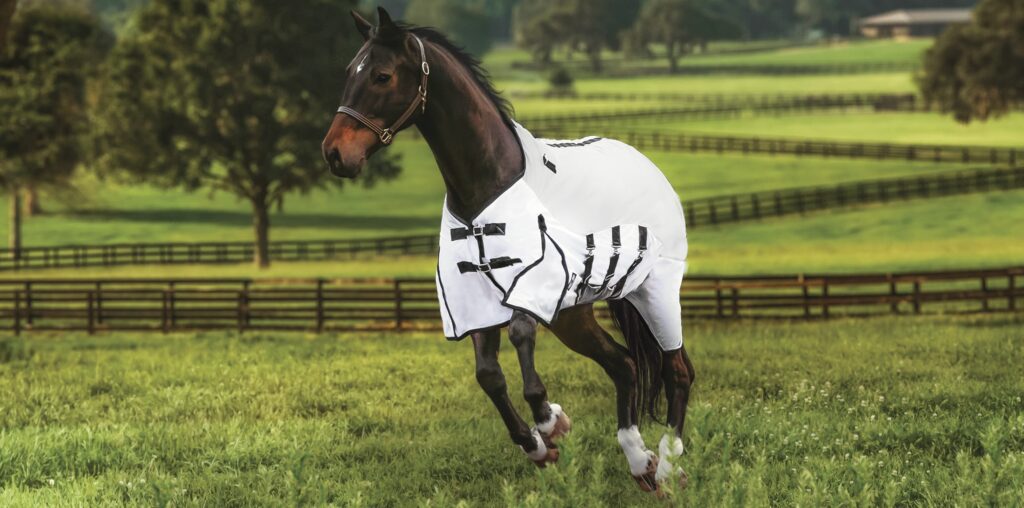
(636, 452)
(540, 452)
(547, 426)
(670, 448)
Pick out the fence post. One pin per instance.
(806, 294)
(1011, 286)
(319, 305)
(28, 303)
(240, 311)
(917, 296)
(755, 203)
(734, 293)
(99, 302)
(170, 306)
(718, 298)
(17, 312)
(894, 304)
(165, 318)
(398, 305)
(824, 296)
(90, 316)
(984, 291)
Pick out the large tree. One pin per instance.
(468, 23)
(976, 71)
(50, 53)
(589, 26)
(230, 95)
(680, 25)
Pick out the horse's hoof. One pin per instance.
(684, 480)
(646, 480)
(562, 426)
(549, 458)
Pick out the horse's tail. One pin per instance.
(646, 353)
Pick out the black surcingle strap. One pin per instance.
(636, 262)
(616, 245)
(496, 229)
(588, 266)
(494, 263)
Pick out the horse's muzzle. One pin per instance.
(340, 167)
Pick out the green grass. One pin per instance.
(870, 412)
(925, 128)
(890, 82)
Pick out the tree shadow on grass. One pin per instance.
(243, 219)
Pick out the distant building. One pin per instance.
(913, 22)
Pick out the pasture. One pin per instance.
(877, 412)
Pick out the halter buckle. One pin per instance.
(386, 136)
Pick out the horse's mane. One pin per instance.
(471, 64)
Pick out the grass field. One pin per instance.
(875, 412)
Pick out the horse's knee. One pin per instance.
(490, 377)
(678, 371)
(522, 329)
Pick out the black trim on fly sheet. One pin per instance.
(475, 330)
(544, 236)
(493, 264)
(569, 144)
(444, 297)
(614, 262)
(642, 248)
(548, 164)
(588, 266)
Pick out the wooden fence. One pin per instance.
(688, 68)
(742, 207)
(730, 99)
(689, 142)
(700, 212)
(725, 106)
(318, 305)
(78, 256)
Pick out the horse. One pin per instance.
(405, 75)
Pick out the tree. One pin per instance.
(586, 25)
(43, 74)
(679, 25)
(6, 13)
(466, 22)
(232, 95)
(976, 71)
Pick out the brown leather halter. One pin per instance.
(386, 134)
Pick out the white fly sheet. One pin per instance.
(591, 219)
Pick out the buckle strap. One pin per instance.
(495, 229)
(636, 262)
(494, 263)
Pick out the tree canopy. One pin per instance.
(467, 23)
(229, 95)
(44, 69)
(976, 71)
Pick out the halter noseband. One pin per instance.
(386, 134)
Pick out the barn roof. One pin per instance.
(919, 17)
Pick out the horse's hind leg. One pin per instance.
(677, 373)
(580, 331)
(488, 373)
(551, 421)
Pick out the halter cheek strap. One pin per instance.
(387, 134)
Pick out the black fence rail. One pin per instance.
(688, 68)
(689, 142)
(758, 205)
(80, 256)
(318, 305)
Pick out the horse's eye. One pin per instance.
(382, 78)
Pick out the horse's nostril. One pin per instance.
(335, 156)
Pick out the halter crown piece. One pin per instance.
(386, 134)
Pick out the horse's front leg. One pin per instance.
(488, 373)
(551, 420)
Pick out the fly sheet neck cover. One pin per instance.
(514, 255)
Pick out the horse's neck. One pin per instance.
(477, 153)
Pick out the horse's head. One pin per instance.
(385, 87)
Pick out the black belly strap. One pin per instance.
(636, 262)
(496, 229)
(494, 263)
(614, 261)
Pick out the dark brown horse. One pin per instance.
(406, 76)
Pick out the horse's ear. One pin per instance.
(387, 30)
(383, 18)
(362, 25)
